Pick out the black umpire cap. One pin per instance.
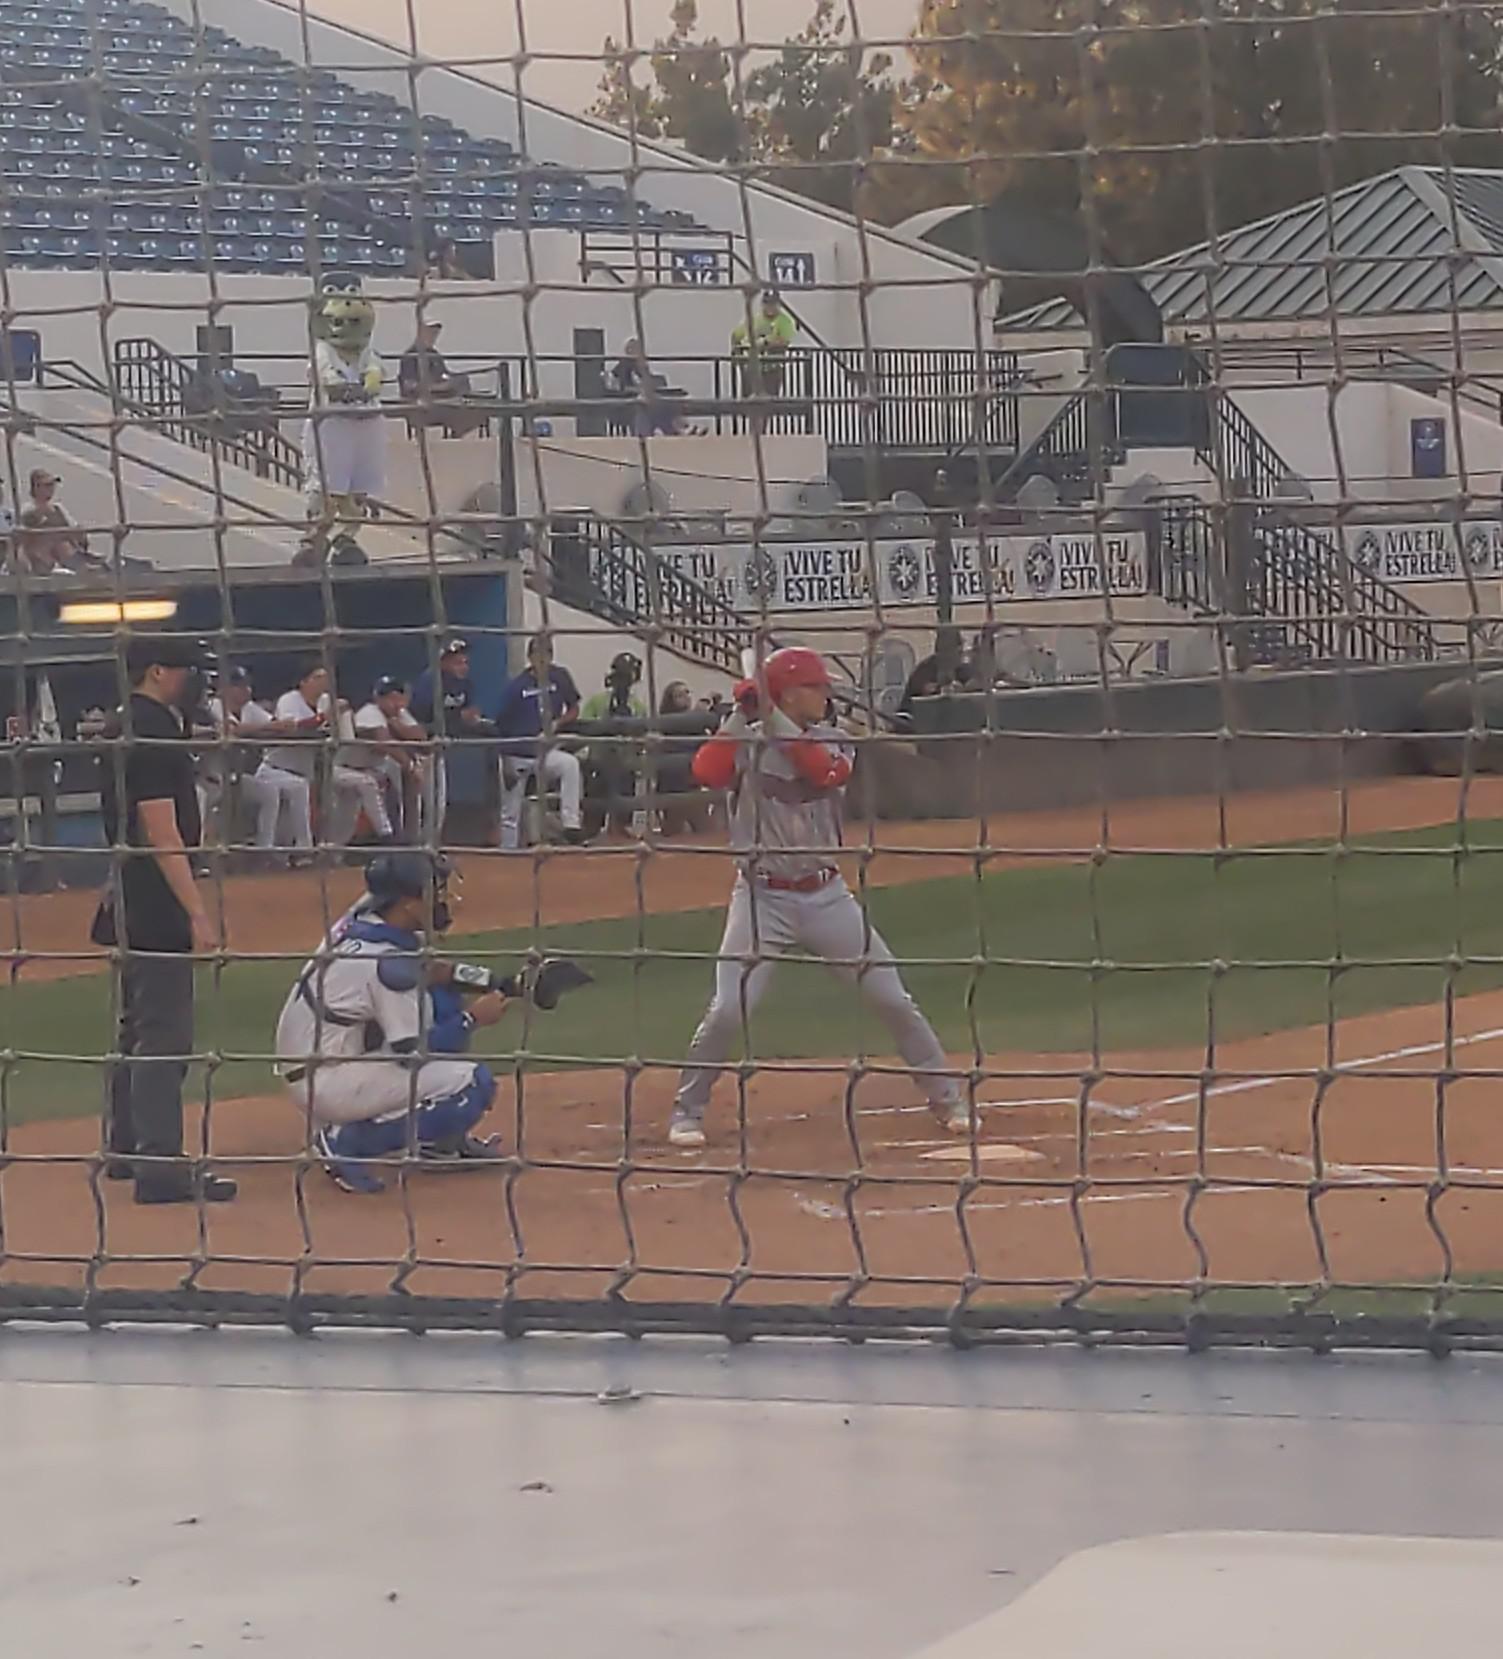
(164, 651)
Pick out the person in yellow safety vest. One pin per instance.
(763, 351)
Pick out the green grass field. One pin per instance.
(1127, 944)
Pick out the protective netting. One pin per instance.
(993, 511)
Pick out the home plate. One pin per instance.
(988, 1152)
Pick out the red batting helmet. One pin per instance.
(794, 665)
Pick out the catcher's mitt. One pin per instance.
(545, 983)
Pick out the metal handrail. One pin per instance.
(75, 376)
(597, 568)
(1064, 450)
(1344, 611)
(1290, 589)
(160, 384)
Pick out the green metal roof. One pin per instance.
(1419, 239)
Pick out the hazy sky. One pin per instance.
(463, 28)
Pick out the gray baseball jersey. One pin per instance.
(778, 814)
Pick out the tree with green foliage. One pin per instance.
(804, 117)
(689, 99)
(1166, 120)
(1163, 121)
(821, 109)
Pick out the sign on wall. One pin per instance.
(1427, 447)
(790, 270)
(837, 575)
(1428, 552)
(697, 267)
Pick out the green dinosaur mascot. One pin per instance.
(344, 440)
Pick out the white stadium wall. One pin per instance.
(269, 316)
(1372, 436)
(695, 475)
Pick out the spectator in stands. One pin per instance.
(762, 351)
(945, 670)
(609, 762)
(677, 699)
(444, 262)
(675, 769)
(425, 378)
(47, 540)
(538, 705)
(633, 376)
(444, 704)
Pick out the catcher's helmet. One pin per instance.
(411, 875)
(794, 665)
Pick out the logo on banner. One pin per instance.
(1478, 547)
(1039, 567)
(1369, 550)
(759, 576)
(904, 571)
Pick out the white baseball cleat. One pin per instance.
(685, 1129)
(956, 1116)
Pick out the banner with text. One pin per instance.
(1427, 552)
(837, 575)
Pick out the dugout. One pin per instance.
(365, 621)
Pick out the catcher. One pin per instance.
(372, 1036)
(344, 437)
(786, 770)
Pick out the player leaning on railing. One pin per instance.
(786, 769)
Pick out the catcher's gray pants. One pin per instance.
(764, 922)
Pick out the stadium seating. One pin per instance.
(204, 147)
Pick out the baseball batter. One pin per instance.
(786, 770)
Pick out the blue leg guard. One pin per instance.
(447, 1121)
(442, 1127)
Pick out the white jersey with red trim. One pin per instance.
(782, 824)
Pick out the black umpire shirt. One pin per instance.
(153, 771)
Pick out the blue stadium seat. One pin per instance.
(471, 185)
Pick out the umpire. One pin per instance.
(156, 916)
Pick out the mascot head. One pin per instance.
(343, 316)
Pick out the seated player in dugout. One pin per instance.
(786, 767)
(372, 1038)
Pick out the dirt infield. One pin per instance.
(1147, 1177)
(1164, 1169)
(46, 936)
(1127, 1180)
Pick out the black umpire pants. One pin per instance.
(145, 1106)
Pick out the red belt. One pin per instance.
(804, 884)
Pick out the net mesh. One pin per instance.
(1107, 393)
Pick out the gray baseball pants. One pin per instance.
(761, 924)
